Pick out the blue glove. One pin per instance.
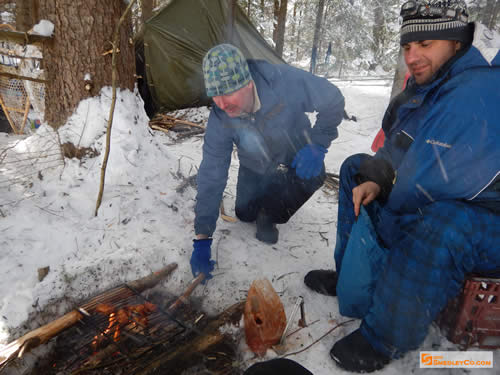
(200, 258)
(309, 161)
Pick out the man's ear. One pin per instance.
(458, 45)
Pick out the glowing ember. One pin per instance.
(134, 317)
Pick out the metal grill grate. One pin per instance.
(101, 345)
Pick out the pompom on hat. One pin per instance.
(225, 70)
(435, 20)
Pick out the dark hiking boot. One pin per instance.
(266, 229)
(322, 281)
(355, 354)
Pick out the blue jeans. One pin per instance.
(279, 194)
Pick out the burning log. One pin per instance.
(43, 334)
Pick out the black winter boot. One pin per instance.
(355, 354)
(322, 281)
(266, 229)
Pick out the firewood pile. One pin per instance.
(183, 128)
(123, 331)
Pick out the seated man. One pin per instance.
(430, 196)
(261, 108)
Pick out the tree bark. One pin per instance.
(317, 31)
(147, 9)
(298, 55)
(378, 31)
(490, 14)
(26, 14)
(82, 46)
(280, 8)
(232, 13)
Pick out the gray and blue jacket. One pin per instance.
(268, 137)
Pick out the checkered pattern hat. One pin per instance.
(435, 20)
(225, 70)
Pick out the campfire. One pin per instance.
(127, 331)
(131, 318)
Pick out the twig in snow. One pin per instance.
(112, 109)
(301, 328)
(321, 338)
(285, 274)
(323, 237)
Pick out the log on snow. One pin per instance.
(41, 335)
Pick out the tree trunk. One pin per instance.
(248, 7)
(322, 30)
(147, 9)
(298, 55)
(26, 14)
(232, 13)
(82, 47)
(262, 15)
(280, 7)
(317, 30)
(378, 31)
(493, 9)
(294, 23)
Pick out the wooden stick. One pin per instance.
(114, 79)
(26, 110)
(321, 338)
(184, 122)
(43, 334)
(12, 125)
(183, 299)
(23, 38)
(179, 121)
(156, 127)
(17, 76)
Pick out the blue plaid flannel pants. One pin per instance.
(431, 252)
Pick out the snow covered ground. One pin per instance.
(47, 220)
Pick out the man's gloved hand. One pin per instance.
(200, 258)
(309, 161)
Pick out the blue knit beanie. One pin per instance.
(225, 70)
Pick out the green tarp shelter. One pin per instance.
(176, 39)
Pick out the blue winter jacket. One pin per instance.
(443, 139)
(269, 137)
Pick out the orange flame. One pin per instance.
(130, 317)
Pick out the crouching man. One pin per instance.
(423, 212)
(261, 108)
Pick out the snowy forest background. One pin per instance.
(363, 34)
